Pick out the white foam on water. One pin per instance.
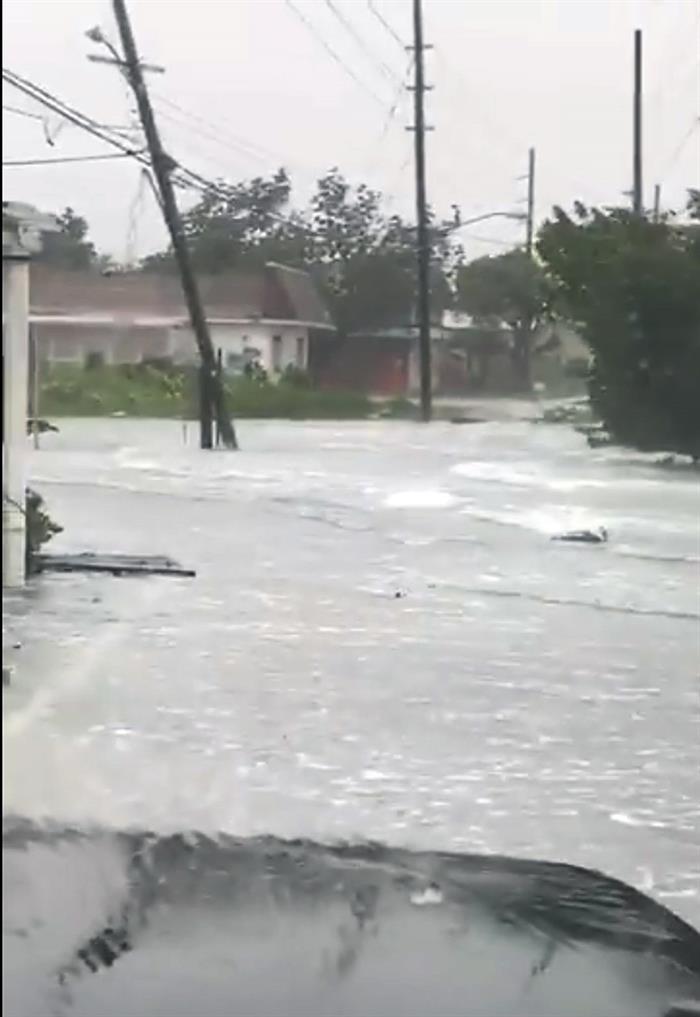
(627, 820)
(547, 520)
(428, 499)
(523, 475)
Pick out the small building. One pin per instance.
(269, 317)
(380, 362)
(477, 358)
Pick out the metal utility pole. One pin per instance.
(530, 202)
(637, 199)
(657, 202)
(423, 242)
(213, 397)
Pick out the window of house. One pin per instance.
(301, 351)
(277, 353)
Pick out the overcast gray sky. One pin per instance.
(249, 86)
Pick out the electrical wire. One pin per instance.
(69, 113)
(86, 123)
(23, 113)
(355, 35)
(382, 20)
(678, 151)
(65, 159)
(403, 85)
(132, 221)
(331, 52)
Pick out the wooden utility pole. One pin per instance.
(213, 397)
(423, 242)
(530, 202)
(637, 197)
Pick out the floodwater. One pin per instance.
(381, 642)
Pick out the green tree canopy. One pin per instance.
(362, 259)
(69, 247)
(633, 286)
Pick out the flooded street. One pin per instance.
(381, 642)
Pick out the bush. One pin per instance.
(94, 360)
(251, 399)
(295, 377)
(142, 390)
(633, 285)
(40, 527)
(578, 367)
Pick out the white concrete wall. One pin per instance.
(235, 338)
(15, 351)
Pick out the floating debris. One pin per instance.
(114, 564)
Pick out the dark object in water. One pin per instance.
(42, 426)
(131, 925)
(115, 564)
(599, 536)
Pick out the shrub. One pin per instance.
(94, 360)
(40, 527)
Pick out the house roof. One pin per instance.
(275, 293)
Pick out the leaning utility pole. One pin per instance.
(423, 243)
(637, 199)
(530, 202)
(212, 400)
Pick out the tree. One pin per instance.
(634, 287)
(507, 291)
(69, 247)
(233, 225)
(362, 260)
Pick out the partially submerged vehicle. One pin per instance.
(134, 925)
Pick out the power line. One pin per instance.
(70, 114)
(23, 113)
(86, 123)
(393, 110)
(182, 177)
(331, 52)
(352, 31)
(215, 133)
(681, 146)
(382, 20)
(69, 158)
(481, 239)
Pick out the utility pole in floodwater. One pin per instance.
(212, 398)
(422, 238)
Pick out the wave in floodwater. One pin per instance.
(522, 475)
(427, 499)
(595, 605)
